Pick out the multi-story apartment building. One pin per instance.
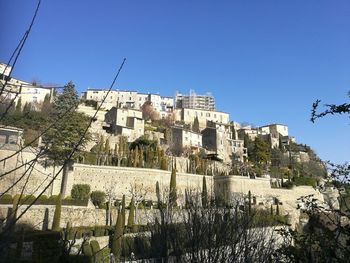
(195, 101)
(129, 99)
(16, 89)
(188, 115)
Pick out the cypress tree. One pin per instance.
(140, 163)
(195, 126)
(172, 193)
(204, 193)
(57, 214)
(249, 202)
(136, 157)
(14, 208)
(163, 164)
(107, 148)
(277, 210)
(123, 211)
(131, 213)
(19, 105)
(117, 238)
(101, 145)
(68, 100)
(27, 107)
(271, 210)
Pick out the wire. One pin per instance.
(12, 223)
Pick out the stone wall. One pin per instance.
(41, 216)
(123, 179)
(38, 176)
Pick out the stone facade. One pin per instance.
(184, 138)
(125, 122)
(188, 115)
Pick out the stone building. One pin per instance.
(180, 137)
(125, 122)
(217, 138)
(187, 116)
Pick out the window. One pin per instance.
(215, 116)
(208, 114)
(129, 98)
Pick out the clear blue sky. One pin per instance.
(264, 61)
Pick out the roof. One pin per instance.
(4, 127)
(203, 110)
(183, 129)
(273, 124)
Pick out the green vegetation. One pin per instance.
(123, 211)
(304, 181)
(98, 198)
(117, 238)
(80, 191)
(57, 215)
(204, 193)
(131, 213)
(195, 126)
(172, 189)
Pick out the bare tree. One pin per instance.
(111, 196)
(138, 192)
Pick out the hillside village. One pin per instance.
(135, 143)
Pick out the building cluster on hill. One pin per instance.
(192, 122)
(25, 94)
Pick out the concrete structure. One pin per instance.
(195, 101)
(187, 116)
(185, 138)
(125, 122)
(10, 135)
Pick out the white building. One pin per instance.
(185, 138)
(129, 99)
(18, 89)
(188, 115)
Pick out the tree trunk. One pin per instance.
(64, 180)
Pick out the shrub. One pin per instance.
(99, 231)
(43, 198)
(98, 198)
(95, 246)
(80, 191)
(6, 199)
(87, 250)
(304, 181)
